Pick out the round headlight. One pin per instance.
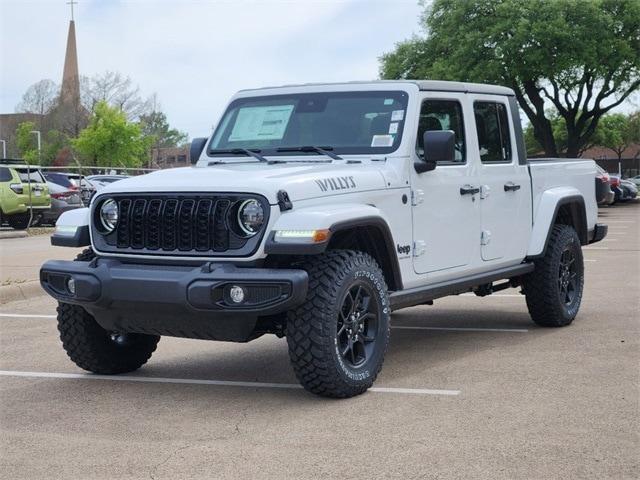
(250, 217)
(109, 215)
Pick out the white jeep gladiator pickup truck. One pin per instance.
(313, 212)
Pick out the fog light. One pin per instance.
(237, 294)
(71, 286)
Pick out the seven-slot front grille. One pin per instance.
(185, 224)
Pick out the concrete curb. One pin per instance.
(20, 291)
(14, 234)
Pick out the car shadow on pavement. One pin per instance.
(411, 354)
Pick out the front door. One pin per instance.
(504, 182)
(446, 219)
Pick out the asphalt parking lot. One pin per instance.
(471, 388)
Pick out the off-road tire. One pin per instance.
(20, 221)
(542, 287)
(312, 328)
(92, 348)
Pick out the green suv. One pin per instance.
(17, 183)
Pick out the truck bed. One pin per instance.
(566, 176)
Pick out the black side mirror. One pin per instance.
(197, 145)
(439, 146)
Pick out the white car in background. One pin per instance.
(101, 181)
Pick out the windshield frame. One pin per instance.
(396, 94)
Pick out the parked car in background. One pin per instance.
(22, 187)
(62, 200)
(101, 181)
(80, 183)
(614, 181)
(635, 180)
(629, 190)
(604, 194)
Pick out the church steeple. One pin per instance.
(70, 92)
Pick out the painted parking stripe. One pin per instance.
(25, 315)
(220, 383)
(595, 248)
(462, 329)
(473, 295)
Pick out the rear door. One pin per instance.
(446, 222)
(505, 189)
(33, 180)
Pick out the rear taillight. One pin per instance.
(17, 188)
(62, 195)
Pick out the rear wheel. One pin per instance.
(95, 349)
(554, 289)
(338, 337)
(19, 221)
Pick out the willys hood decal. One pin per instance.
(300, 180)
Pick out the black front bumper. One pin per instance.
(183, 301)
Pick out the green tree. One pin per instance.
(580, 56)
(110, 140)
(155, 125)
(27, 143)
(618, 131)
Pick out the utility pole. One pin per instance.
(37, 132)
(4, 148)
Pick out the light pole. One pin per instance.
(4, 148)
(37, 132)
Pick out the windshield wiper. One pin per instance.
(254, 152)
(311, 148)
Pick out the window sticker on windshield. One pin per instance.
(393, 128)
(261, 123)
(397, 115)
(382, 141)
(388, 101)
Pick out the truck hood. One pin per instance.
(300, 180)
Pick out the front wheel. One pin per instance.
(95, 349)
(338, 338)
(554, 289)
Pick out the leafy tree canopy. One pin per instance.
(580, 56)
(617, 132)
(27, 143)
(110, 140)
(156, 126)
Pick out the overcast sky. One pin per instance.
(196, 54)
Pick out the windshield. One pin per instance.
(342, 122)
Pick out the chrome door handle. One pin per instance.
(511, 187)
(469, 190)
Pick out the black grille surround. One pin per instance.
(177, 224)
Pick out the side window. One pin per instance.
(5, 174)
(492, 125)
(442, 115)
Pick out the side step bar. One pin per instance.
(420, 295)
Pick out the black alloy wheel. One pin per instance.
(357, 325)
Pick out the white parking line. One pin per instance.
(25, 315)
(514, 295)
(220, 383)
(462, 329)
(589, 260)
(595, 248)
